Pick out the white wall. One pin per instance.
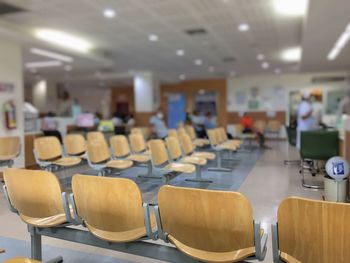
(44, 95)
(11, 72)
(273, 89)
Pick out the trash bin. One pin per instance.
(335, 191)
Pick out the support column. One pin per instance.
(146, 97)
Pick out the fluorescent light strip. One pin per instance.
(43, 64)
(63, 39)
(340, 44)
(49, 54)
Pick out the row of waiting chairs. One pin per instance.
(207, 225)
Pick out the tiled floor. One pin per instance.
(260, 176)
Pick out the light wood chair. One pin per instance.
(209, 226)
(36, 197)
(162, 164)
(172, 133)
(274, 127)
(48, 154)
(121, 151)
(75, 145)
(218, 149)
(22, 260)
(138, 144)
(95, 135)
(10, 148)
(311, 231)
(189, 148)
(99, 158)
(223, 139)
(196, 141)
(260, 126)
(176, 155)
(112, 208)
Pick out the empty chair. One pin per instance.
(112, 208)
(36, 196)
(192, 133)
(260, 126)
(274, 127)
(138, 144)
(121, 150)
(175, 151)
(172, 133)
(22, 260)
(99, 158)
(161, 162)
(210, 226)
(223, 139)
(10, 148)
(311, 231)
(48, 154)
(75, 145)
(95, 135)
(189, 149)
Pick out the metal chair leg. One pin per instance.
(219, 167)
(199, 178)
(149, 174)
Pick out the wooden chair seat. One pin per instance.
(140, 158)
(201, 142)
(121, 237)
(119, 164)
(194, 160)
(227, 147)
(205, 256)
(206, 155)
(22, 260)
(7, 157)
(288, 258)
(46, 221)
(67, 161)
(180, 167)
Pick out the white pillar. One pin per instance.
(146, 92)
(11, 75)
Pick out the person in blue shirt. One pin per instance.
(209, 121)
(158, 124)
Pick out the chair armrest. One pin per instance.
(161, 233)
(275, 247)
(71, 203)
(148, 224)
(8, 201)
(260, 241)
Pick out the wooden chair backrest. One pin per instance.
(47, 148)
(74, 144)
(34, 193)
(137, 143)
(219, 135)
(136, 130)
(174, 148)
(314, 231)
(98, 151)
(159, 153)
(181, 131)
(212, 135)
(223, 133)
(108, 204)
(191, 132)
(274, 125)
(120, 146)
(260, 126)
(172, 133)
(215, 221)
(238, 129)
(95, 135)
(10, 146)
(187, 144)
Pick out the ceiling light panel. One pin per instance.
(50, 54)
(340, 44)
(290, 7)
(292, 54)
(43, 64)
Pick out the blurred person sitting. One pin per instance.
(209, 121)
(198, 124)
(158, 124)
(49, 126)
(248, 127)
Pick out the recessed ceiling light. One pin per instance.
(290, 7)
(243, 27)
(63, 39)
(153, 38)
(180, 52)
(68, 68)
(277, 71)
(43, 64)
(211, 69)
(109, 13)
(198, 62)
(340, 44)
(50, 54)
(292, 54)
(265, 65)
(182, 77)
(260, 57)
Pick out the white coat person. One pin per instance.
(306, 121)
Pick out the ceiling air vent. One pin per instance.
(196, 31)
(328, 79)
(229, 59)
(9, 9)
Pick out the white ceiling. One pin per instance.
(124, 39)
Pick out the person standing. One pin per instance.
(306, 121)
